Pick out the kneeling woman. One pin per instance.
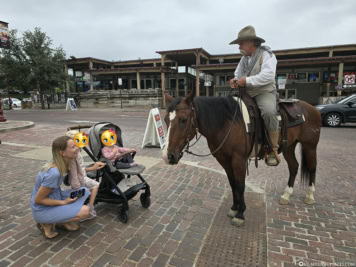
(50, 205)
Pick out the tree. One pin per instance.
(13, 65)
(31, 62)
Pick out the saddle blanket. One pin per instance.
(246, 115)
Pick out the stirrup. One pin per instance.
(276, 156)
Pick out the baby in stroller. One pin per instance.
(119, 156)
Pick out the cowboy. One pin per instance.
(256, 71)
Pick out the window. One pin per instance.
(181, 84)
(313, 77)
(148, 84)
(133, 83)
(222, 80)
(172, 83)
(301, 77)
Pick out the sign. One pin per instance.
(207, 83)
(119, 81)
(154, 133)
(349, 85)
(350, 79)
(281, 84)
(292, 76)
(4, 35)
(71, 104)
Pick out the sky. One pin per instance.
(132, 29)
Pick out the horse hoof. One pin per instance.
(232, 213)
(283, 201)
(309, 201)
(237, 222)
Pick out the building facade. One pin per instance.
(311, 74)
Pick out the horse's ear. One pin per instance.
(189, 98)
(169, 99)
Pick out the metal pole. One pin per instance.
(121, 95)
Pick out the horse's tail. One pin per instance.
(304, 174)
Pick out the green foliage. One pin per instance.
(32, 63)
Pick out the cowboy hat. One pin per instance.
(247, 33)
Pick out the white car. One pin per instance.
(16, 103)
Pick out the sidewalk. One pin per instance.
(9, 126)
(186, 224)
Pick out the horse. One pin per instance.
(220, 121)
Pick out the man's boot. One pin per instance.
(272, 158)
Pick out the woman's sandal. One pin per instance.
(47, 236)
(62, 226)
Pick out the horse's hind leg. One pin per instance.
(309, 171)
(289, 155)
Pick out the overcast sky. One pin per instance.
(129, 29)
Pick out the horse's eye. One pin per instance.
(182, 123)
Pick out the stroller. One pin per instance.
(110, 176)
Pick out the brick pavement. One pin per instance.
(185, 199)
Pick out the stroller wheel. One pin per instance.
(123, 214)
(145, 200)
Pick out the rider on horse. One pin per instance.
(256, 71)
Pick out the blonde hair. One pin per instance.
(71, 133)
(59, 144)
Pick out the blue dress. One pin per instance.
(55, 214)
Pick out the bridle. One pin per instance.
(195, 130)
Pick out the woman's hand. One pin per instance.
(98, 165)
(69, 200)
(132, 150)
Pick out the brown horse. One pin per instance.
(220, 121)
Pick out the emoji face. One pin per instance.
(81, 139)
(109, 138)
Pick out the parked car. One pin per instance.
(16, 103)
(343, 111)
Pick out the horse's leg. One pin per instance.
(239, 175)
(230, 175)
(289, 156)
(309, 171)
(235, 198)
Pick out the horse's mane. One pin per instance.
(213, 112)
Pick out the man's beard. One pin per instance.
(243, 52)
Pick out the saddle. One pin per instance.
(289, 114)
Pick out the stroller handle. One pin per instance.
(78, 127)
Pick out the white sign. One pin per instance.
(71, 104)
(349, 85)
(281, 84)
(350, 79)
(154, 133)
(119, 81)
(207, 83)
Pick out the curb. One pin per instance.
(28, 124)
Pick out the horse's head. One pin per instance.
(180, 119)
